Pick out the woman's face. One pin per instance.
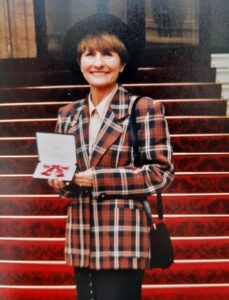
(101, 68)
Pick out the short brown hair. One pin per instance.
(103, 42)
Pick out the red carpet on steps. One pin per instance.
(32, 217)
(149, 293)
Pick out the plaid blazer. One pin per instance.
(108, 228)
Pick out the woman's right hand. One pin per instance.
(56, 183)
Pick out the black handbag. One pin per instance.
(161, 249)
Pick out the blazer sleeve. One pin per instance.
(156, 170)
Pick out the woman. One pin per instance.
(107, 239)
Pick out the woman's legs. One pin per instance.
(108, 284)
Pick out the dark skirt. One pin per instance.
(108, 284)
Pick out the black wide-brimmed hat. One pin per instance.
(96, 24)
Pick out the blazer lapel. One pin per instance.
(79, 127)
(112, 127)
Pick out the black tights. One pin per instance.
(108, 284)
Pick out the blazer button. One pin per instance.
(102, 196)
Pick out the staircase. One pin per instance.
(32, 217)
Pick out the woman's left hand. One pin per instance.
(84, 179)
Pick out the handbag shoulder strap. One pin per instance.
(134, 134)
(137, 161)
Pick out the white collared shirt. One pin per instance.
(97, 115)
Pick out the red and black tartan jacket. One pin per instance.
(108, 229)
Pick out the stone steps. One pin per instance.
(182, 107)
(182, 90)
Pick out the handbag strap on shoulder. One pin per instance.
(137, 163)
(134, 134)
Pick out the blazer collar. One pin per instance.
(112, 126)
(120, 105)
(110, 130)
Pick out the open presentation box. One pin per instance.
(57, 156)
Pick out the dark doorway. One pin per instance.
(171, 31)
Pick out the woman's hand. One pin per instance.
(84, 179)
(56, 184)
